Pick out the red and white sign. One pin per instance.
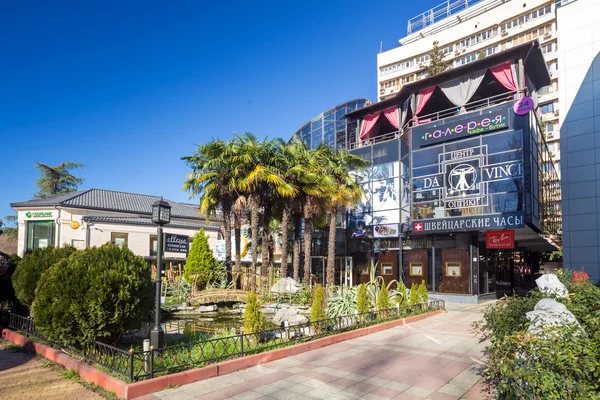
(504, 239)
(418, 227)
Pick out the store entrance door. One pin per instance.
(343, 271)
(318, 270)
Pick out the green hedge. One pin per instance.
(32, 266)
(96, 294)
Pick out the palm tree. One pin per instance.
(57, 180)
(314, 186)
(213, 180)
(343, 194)
(259, 181)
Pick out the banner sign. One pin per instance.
(464, 224)
(459, 128)
(386, 230)
(504, 239)
(176, 243)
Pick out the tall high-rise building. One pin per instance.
(468, 30)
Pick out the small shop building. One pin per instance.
(93, 217)
(461, 191)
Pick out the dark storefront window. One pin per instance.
(40, 234)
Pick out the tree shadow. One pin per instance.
(12, 356)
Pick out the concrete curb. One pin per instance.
(138, 389)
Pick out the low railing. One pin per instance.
(135, 365)
(439, 115)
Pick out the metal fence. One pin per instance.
(139, 365)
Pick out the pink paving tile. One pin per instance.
(431, 383)
(309, 373)
(478, 392)
(386, 392)
(411, 377)
(406, 396)
(364, 387)
(442, 396)
(326, 378)
(367, 371)
(451, 370)
(343, 383)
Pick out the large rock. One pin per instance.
(290, 314)
(207, 309)
(285, 285)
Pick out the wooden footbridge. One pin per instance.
(218, 296)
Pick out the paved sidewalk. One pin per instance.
(436, 358)
(26, 376)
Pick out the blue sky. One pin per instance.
(127, 88)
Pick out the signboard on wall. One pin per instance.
(471, 125)
(504, 239)
(176, 243)
(464, 224)
(385, 230)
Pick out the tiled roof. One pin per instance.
(146, 221)
(109, 200)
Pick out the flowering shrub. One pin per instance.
(559, 364)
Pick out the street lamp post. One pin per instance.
(161, 215)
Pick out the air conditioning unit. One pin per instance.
(551, 74)
(556, 113)
(457, 53)
(547, 35)
(550, 135)
(504, 32)
(381, 91)
(421, 65)
(463, 51)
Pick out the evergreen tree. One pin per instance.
(401, 296)
(253, 318)
(414, 294)
(57, 180)
(423, 295)
(200, 261)
(319, 305)
(383, 300)
(437, 63)
(362, 302)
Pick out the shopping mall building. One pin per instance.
(460, 191)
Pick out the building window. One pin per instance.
(452, 269)
(480, 37)
(386, 269)
(40, 234)
(397, 67)
(416, 269)
(119, 238)
(526, 18)
(547, 108)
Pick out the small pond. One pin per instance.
(209, 323)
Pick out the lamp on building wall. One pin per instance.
(161, 215)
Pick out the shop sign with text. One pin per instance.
(504, 239)
(176, 243)
(473, 125)
(463, 224)
(39, 214)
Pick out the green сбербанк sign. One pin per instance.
(38, 214)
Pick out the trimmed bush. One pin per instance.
(362, 301)
(200, 261)
(413, 296)
(319, 305)
(32, 266)
(253, 318)
(96, 294)
(422, 292)
(383, 300)
(401, 295)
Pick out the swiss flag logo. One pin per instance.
(418, 227)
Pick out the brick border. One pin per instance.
(138, 389)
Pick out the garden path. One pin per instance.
(436, 358)
(24, 375)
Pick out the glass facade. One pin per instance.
(330, 127)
